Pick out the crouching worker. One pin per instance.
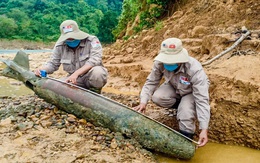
(185, 83)
(81, 56)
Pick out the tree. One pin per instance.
(40, 19)
(8, 27)
(106, 26)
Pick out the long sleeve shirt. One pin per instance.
(88, 52)
(190, 78)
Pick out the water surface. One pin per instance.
(14, 51)
(219, 153)
(13, 88)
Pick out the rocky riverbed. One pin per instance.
(32, 130)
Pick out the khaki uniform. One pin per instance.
(190, 84)
(89, 52)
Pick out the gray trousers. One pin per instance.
(165, 96)
(96, 77)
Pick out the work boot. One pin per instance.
(175, 107)
(96, 90)
(187, 134)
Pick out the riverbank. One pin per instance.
(235, 87)
(36, 131)
(32, 127)
(24, 45)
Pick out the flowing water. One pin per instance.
(211, 153)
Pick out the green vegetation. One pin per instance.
(158, 25)
(150, 11)
(39, 20)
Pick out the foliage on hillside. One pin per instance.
(39, 20)
(142, 14)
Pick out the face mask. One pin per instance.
(72, 43)
(171, 67)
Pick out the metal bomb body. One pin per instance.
(101, 111)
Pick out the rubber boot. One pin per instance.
(187, 134)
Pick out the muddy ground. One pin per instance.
(207, 29)
(35, 131)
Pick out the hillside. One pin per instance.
(37, 20)
(206, 28)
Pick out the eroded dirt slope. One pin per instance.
(206, 28)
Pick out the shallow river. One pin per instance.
(14, 51)
(211, 153)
